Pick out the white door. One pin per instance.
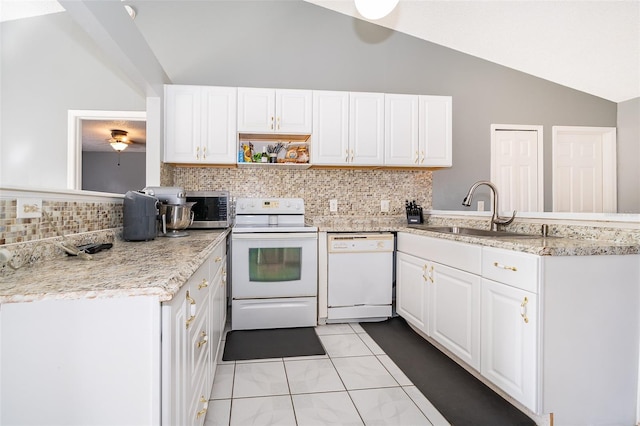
(330, 127)
(454, 311)
(517, 167)
(256, 110)
(509, 340)
(401, 130)
(183, 124)
(584, 169)
(366, 128)
(219, 125)
(293, 111)
(411, 288)
(435, 131)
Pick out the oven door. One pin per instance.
(270, 265)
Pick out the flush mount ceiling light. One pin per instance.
(375, 9)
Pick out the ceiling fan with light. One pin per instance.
(119, 141)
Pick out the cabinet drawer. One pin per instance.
(217, 258)
(517, 269)
(200, 342)
(198, 402)
(452, 253)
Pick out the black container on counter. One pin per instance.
(140, 217)
(414, 213)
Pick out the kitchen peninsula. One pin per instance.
(137, 327)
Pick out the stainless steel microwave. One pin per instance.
(211, 209)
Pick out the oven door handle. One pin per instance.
(275, 236)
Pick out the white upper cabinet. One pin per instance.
(366, 128)
(274, 111)
(200, 124)
(348, 128)
(435, 131)
(401, 130)
(330, 127)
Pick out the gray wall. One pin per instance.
(629, 149)
(49, 66)
(294, 44)
(129, 175)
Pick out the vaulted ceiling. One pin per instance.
(588, 45)
(591, 46)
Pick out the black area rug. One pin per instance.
(271, 343)
(461, 398)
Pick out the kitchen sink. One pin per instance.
(457, 230)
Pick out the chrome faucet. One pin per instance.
(495, 219)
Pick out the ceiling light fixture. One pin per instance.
(119, 140)
(375, 9)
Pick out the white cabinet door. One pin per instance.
(274, 111)
(183, 110)
(330, 128)
(256, 110)
(366, 128)
(219, 134)
(175, 388)
(435, 131)
(401, 130)
(411, 290)
(293, 111)
(509, 340)
(200, 124)
(454, 311)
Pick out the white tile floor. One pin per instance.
(354, 384)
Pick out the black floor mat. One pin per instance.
(461, 398)
(271, 343)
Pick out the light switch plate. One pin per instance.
(385, 206)
(28, 208)
(333, 205)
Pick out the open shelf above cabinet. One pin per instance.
(291, 151)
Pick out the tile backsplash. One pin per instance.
(358, 191)
(70, 218)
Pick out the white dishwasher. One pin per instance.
(360, 277)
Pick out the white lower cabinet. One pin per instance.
(558, 334)
(411, 290)
(440, 300)
(454, 311)
(121, 360)
(509, 340)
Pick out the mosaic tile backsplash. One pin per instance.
(358, 191)
(69, 217)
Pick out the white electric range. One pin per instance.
(274, 265)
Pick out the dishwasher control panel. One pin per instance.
(354, 243)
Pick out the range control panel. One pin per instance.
(269, 206)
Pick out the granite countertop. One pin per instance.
(144, 268)
(552, 246)
(575, 244)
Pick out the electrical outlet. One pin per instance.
(28, 208)
(480, 206)
(333, 205)
(384, 206)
